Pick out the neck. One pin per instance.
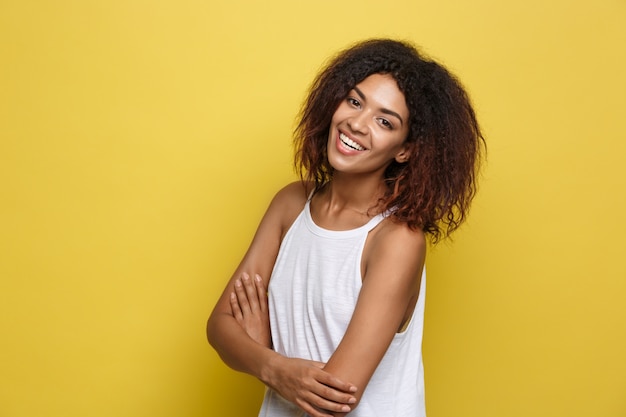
(354, 193)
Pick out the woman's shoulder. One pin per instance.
(293, 194)
(394, 252)
(393, 235)
(289, 201)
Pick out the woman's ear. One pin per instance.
(403, 156)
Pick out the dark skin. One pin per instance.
(367, 132)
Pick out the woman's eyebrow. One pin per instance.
(384, 110)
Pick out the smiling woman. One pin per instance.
(365, 133)
(388, 148)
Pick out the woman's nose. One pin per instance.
(358, 122)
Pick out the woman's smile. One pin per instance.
(349, 144)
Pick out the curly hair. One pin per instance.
(433, 190)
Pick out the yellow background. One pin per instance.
(140, 142)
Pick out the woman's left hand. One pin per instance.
(249, 307)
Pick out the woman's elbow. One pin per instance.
(212, 329)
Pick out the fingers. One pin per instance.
(249, 297)
(251, 292)
(235, 308)
(331, 381)
(331, 393)
(313, 389)
(336, 400)
(261, 292)
(336, 384)
(241, 293)
(321, 402)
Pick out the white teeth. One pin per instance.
(349, 142)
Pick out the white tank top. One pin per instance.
(312, 294)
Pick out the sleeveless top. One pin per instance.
(312, 292)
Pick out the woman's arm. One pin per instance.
(393, 260)
(302, 382)
(234, 346)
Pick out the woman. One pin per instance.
(388, 148)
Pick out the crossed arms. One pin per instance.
(239, 328)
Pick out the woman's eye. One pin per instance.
(385, 123)
(353, 102)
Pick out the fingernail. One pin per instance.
(352, 400)
(345, 409)
(257, 277)
(238, 283)
(246, 277)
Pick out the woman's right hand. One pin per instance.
(306, 384)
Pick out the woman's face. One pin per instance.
(369, 128)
